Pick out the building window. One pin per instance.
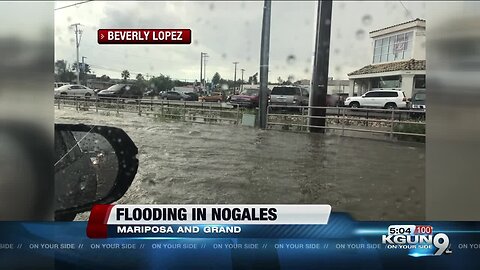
(386, 82)
(398, 47)
(419, 82)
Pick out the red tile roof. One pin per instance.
(395, 66)
(417, 19)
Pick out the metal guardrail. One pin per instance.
(188, 111)
(340, 118)
(337, 118)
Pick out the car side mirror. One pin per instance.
(93, 165)
(363, 95)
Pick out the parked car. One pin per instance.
(418, 101)
(249, 97)
(59, 84)
(213, 97)
(289, 95)
(74, 90)
(149, 93)
(174, 95)
(192, 96)
(121, 91)
(389, 99)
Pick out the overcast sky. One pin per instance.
(227, 31)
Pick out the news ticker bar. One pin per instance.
(173, 220)
(144, 36)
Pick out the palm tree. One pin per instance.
(125, 75)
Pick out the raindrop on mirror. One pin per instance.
(367, 20)
(360, 34)
(291, 59)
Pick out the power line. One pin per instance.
(72, 5)
(408, 11)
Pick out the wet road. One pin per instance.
(200, 163)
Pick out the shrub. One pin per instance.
(409, 128)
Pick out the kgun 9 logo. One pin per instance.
(413, 241)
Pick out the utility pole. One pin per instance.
(241, 88)
(318, 95)
(78, 37)
(201, 67)
(205, 70)
(235, 78)
(264, 57)
(83, 67)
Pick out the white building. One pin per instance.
(398, 60)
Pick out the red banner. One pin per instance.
(144, 36)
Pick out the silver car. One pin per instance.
(74, 90)
(289, 96)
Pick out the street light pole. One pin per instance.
(201, 67)
(241, 87)
(264, 56)
(77, 45)
(205, 70)
(83, 67)
(235, 77)
(318, 95)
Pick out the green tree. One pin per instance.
(105, 78)
(140, 77)
(125, 75)
(216, 78)
(161, 83)
(63, 73)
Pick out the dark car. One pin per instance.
(418, 101)
(192, 96)
(121, 91)
(174, 95)
(247, 98)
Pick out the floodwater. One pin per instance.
(186, 163)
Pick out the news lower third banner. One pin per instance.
(237, 237)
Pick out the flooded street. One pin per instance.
(212, 164)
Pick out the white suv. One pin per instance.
(389, 99)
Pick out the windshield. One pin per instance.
(419, 97)
(249, 92)
(285, 91)
(115, 87)
(211, 149)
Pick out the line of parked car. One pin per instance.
(249, 97)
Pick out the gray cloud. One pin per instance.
(227, 31)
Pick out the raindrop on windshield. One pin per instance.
(211, 6)
(224, 55)
(291, 78)
(367, 20)
(195, 42)
(360, 34)
(291, 59)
